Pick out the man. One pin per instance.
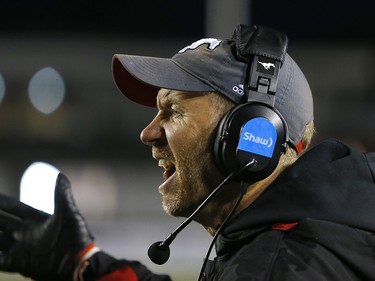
(233, 117)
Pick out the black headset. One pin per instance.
(254, 130)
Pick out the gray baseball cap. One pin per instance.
(210, 64)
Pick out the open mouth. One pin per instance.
(169, 168)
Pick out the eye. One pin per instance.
(175, 112)
(170, 113)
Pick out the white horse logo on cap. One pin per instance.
(213, 43)
(267, 65)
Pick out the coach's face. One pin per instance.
(181, 138)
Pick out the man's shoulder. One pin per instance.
(309, 249)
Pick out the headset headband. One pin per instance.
(264, 49)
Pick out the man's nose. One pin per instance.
(153, 133)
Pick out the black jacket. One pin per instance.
(315, 222)
(330, 193)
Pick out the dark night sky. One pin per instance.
(301, 20)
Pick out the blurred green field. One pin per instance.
(12, 277)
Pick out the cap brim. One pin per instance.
(140, 78)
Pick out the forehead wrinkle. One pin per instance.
(168, 97)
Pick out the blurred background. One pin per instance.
(58, 102)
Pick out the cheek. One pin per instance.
(185, 136)
(180, 136)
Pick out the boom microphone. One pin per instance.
(159, 252)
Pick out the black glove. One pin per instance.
(41, 246)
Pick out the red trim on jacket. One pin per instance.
(284, 226)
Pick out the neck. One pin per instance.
(220, 210)
(255, 190)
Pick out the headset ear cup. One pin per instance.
(219, 142)
(232, 140)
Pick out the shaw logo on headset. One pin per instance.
(258, 136)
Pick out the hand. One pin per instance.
(41, 246)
